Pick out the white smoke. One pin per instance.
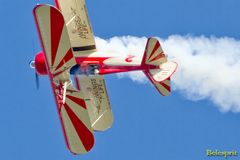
(209, 68)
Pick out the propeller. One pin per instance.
(37, 80)
(32, 65)
(32, 62)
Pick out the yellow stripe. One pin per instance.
(63, 47)
(151, 44)
(80, 112)
(167, 82)
(74, 142)
(156, 53)
(162, 89)
(43, 19)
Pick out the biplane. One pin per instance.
(76, 68)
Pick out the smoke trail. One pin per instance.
(209, 68)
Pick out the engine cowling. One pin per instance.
(40, 64)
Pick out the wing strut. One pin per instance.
(66, 84)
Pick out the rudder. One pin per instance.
(157, 68)
(153, 53)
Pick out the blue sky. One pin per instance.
(147, 126)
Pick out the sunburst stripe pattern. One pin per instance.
(154, 52)
(164, 87)
(56, 45)
(83, 132)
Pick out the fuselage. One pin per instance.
(99, 63)
(108, 63)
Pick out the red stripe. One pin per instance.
(65, 59)
(161, 55)
(98, 60)
(79, 101)
(145, 54)
(167, 87)
(77, 83)
(58, 73)
(154, 49)
(70, 90)
(83, 132)
(57, 5)
(57, 23)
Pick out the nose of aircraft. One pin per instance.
(32, 64)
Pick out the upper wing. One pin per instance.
(59, 58)
(97, 101)
(78, 24)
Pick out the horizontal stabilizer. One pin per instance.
(163, 87)
(166, 70)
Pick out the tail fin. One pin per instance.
(157, 68)
(153, 53)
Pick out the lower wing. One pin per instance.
(97, 101)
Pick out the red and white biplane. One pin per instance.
(69, 49)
